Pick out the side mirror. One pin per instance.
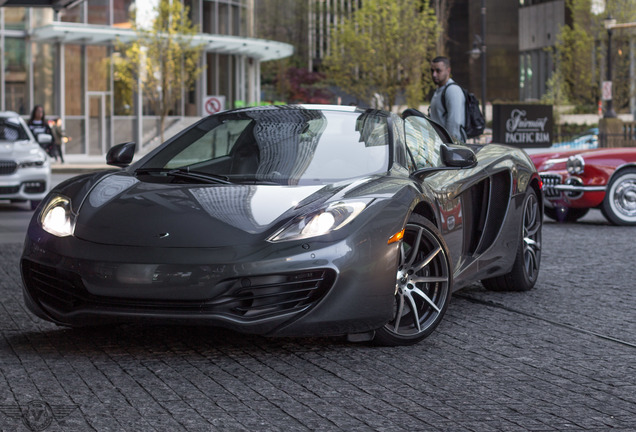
(44, 139)
(455, 156)
(121, 155)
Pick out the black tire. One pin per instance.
(565, 214)
(423, 285)
(619, 204)
(525, 270)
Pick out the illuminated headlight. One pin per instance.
(57, 217)
(575, 164)
(323, 221)
(32, 164)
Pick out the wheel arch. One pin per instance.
(425, 209)
(619, 170)
(536, 184)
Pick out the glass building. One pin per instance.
(60, 60)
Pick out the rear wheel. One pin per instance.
(619, 205)
(525, 269)
(565, 214)
(423, 285)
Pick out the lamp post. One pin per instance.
(483, 56)
(479, 50)
(609, 24)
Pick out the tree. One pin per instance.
(623, 53)
(581, 50)
(382, 50)
(442, 12)
(283, 21)
(575, 59)
(162, 59)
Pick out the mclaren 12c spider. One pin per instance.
(299, 220)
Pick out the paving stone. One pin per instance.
(561, 357)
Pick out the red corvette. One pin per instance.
(576, 181)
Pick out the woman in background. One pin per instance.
(38, 125)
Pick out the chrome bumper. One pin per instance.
(576, 188)
(553, 186)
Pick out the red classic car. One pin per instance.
(577, 180)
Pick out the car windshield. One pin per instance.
(280, 145)
(12, 130)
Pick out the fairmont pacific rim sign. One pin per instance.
(522, 125)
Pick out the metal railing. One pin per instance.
(625, 136)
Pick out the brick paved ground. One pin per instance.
(561, 357)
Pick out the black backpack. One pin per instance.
(475, 121)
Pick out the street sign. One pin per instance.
(607, 91)
(522, 125)
(213, 104)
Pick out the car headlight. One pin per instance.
(32, 164)
(575, 164)
(320, 222)
(57, 217)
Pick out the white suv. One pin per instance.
(25, 170)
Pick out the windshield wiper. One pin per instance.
(187, 174)
(198, 175)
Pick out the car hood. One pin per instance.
(19, 149)
(122, 210)
(605, 156)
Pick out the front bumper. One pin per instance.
(296, 289)
(25, 184)
(562, 188)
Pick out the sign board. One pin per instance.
(522, 125)
(607, 91)
(213, 105)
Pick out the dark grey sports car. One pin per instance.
(288, 221)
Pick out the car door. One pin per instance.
(424, 143)
(472, 201)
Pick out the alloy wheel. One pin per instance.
(532, 237)
(422, 286)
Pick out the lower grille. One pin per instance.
(34, 187)
(549, 181)
(6, 190)
(260, 296)
(244, 298)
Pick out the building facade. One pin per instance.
(539, 26)
(60, 59)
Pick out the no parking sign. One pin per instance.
(213, 104)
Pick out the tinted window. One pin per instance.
(11, 130)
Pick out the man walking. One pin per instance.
(450, 112)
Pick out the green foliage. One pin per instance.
(624, 12)
(283, 21)
(580, 55)
(576, 76)
(384, 48)
(162, 59)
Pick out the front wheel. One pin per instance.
(619, 204)
(423, 285)
(525, 270)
